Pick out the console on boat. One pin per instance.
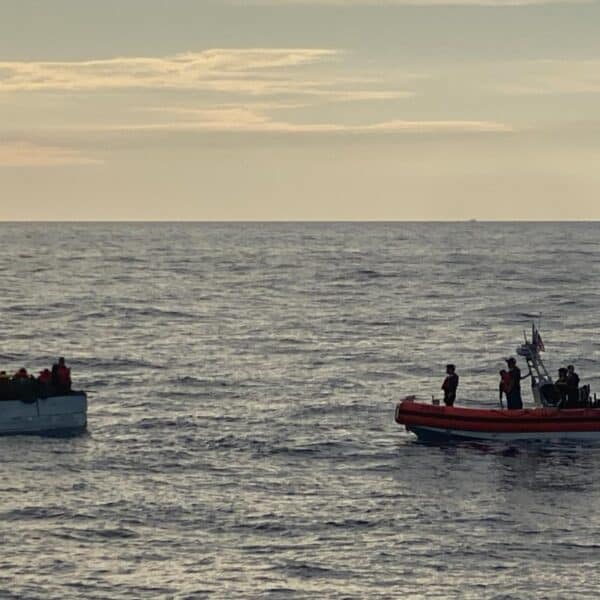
(549, 419)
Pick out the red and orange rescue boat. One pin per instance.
(547, 420)
(429, 421)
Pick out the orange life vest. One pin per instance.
(64, 376)
(45, 376)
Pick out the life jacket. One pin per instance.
(450, 383)
(505, 382)
(21, 374)
(45, 376)
(64, 376)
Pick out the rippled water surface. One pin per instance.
(242, 382)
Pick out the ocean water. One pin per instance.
(242, 382)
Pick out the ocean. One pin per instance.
(242, 380)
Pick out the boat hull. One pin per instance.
(54, 415)
(431, 422)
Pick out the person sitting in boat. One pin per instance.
(563, 388)
(23, 386)
(61, 376)
(572, 386)
(513, 393)
(21, 375)
(45, 382)
(4, 385)
(450, 384)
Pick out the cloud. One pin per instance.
(27, 154)
(240, 120)
(247, 70)
(254, 90)
(251, 72)
(398, 126)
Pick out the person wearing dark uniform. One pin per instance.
(450, 384)
(513, 393)
(561, 386)
(572, 382)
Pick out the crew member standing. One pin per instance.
(513, 393)
(572, 387)
(563, 388)
(450, 384)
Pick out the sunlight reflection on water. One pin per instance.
(242, 386)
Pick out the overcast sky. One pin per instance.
(299, 109)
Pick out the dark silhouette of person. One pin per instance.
(572, 380)
(21, 374)
(513, 394)
(4, 386)
(450, 384)
(45, 382)
(61, 376)
(561, 386)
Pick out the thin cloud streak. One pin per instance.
(256, 118)
(255, 72)
(28, 154)
(243, 122)
(245, 70)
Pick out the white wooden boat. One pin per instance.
(64, 414)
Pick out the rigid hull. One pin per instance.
(56, 414)
(429, 421)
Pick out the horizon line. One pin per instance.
(287, 221)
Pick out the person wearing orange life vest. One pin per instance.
(21, 374)
(45, 381)
(61, 376)
(45, 376)
(504, 385)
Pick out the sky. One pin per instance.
(299, 110)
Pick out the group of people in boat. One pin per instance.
(567, 385)
(25, 386)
